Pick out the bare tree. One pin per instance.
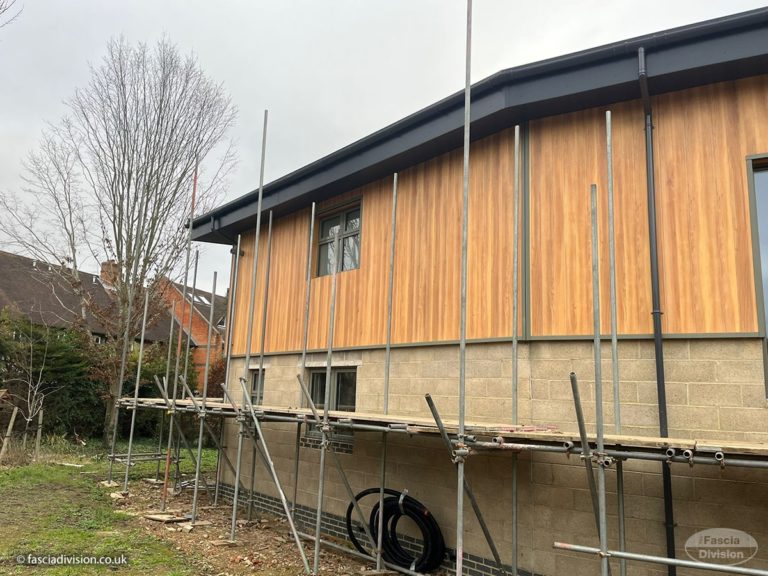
(8, 12)
(24, 371)
(112, 180)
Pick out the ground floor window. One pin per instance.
(343, 389)
(343, 395)
(257, 387)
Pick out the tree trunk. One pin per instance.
(24, 438)
(39, 434)
(7, 439)
(110, 416)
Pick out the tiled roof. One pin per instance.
(39, 292)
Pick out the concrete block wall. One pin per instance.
(715, 390)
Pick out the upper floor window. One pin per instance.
(347, 225)
(759, 189)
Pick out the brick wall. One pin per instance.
(199, 330)
(715, 390)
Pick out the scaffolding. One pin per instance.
(462, 439)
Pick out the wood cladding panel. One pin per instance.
(427, 260)
(287, 282)
(702, 138)
(567, 155)
(361, 304)
(491, 238)
(428, 250)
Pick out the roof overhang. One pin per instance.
(713, 51)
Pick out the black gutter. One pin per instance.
(661, 388)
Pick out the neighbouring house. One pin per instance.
(177, 302)
(689, 131)
(47, 296)
(37, 290)
(40, 292)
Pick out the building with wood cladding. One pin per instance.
(703, 91)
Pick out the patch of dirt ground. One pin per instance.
(263, 545)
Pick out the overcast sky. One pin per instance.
(330, 72)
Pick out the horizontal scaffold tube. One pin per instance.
(685, 456)
(728, 569)
(717, 459)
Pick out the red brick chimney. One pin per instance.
(110, 272)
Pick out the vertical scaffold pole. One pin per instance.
(463, 304)
(191, 312)
(612, 266)
(201, 415)
(387, 364)
(178, 347)
(251, 306)
(167, 375)
(260, 385)
(172, 417)
(191, 305)
(622, 527)
(515, 275)
(136, 392)
(238, 464)
(390, 293)
(230, 320)
(515, 355)
(263, 452)
(598, 385)
(304, 343)
(326, 400)
(336, 263)
(614, 337)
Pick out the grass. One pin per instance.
(49, 509)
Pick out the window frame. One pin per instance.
(341, 212)
(257, 395)
(334, 393)
(758, 163)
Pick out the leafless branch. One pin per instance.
(8, 12)
(113, 180)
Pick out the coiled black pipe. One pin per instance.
(396, 506)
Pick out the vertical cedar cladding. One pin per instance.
(568, 154)
(361, 294)
(702, 138)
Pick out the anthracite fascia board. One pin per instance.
(703, 53)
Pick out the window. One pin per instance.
(257, 387)
(343, 389)
(759, 182)
(342, 397)
(347, 225)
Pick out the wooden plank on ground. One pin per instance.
(166, 518)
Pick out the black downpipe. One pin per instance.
(661, 389)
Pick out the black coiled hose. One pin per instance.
(397, 505)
